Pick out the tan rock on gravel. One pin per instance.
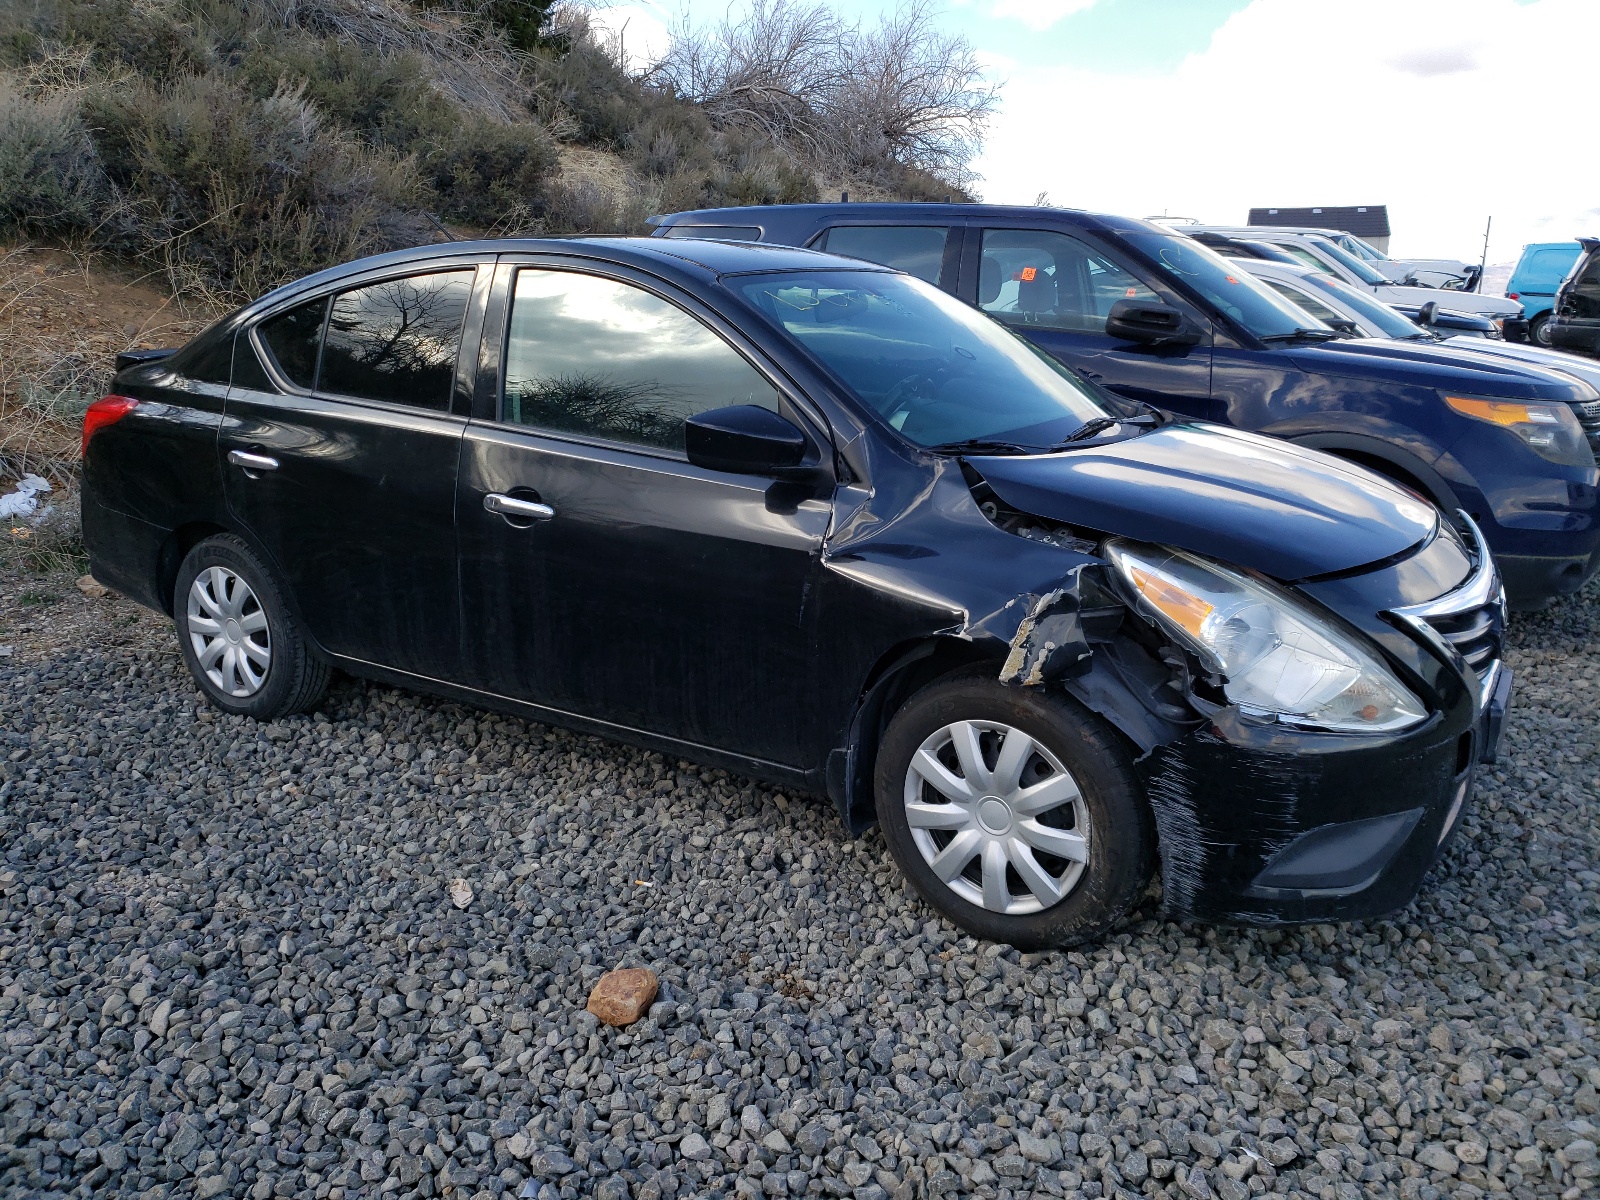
(622, 997)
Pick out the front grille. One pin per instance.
(1589, 418)
(1469, 619)
(1477, 634)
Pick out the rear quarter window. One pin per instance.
(293, 339)
(915, 249)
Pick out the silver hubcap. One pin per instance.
(997, 817)
(228, 630)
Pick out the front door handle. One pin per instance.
(252, 462)
(523, 510)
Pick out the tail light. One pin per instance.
(108, 410)
(1513, 296)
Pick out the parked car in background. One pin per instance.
(1534, 281)
(1154, 315)
(1575, 325)
(1321, 253)
(1352, 310)
(1447, 274)
(1446, 322)
(819, 523)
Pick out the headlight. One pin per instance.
(1276, 655)
(1550, 430)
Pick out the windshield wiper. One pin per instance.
(1317, 335)
(1096, 425)
(983, 446)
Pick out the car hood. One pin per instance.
(1537, 356)
(1249, 500)
(1472, 302)
(1445, 366)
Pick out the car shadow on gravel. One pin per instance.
(229, 965)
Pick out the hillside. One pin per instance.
(164, 160)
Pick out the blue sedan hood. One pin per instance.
(1239, 497)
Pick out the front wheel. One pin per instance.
(1015, 813)
(237, 636)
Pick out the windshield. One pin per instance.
(1368, 307)
(1361, 249)
(1349, 261)
(1242, 296)
(933, 368)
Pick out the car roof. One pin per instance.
(682, 260)
(900, 212)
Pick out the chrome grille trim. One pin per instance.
(1467, 624)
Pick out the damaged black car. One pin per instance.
(819, 523)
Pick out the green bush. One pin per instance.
(477, 168)
(240, 194)
(50, 177)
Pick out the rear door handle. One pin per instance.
(510, 506)
(252, 462)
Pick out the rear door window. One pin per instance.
(293, 339)
(396, 341)
(604, 359)
(1041, 279)
(915, 249)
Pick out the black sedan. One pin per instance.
(819, 523)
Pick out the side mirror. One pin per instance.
(745, 439)
(1345, 325)
(1151, 322)
(1427, 313)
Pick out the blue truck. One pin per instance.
(1533, 284)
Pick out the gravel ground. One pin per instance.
(229, 965)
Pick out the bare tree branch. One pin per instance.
(837, 93)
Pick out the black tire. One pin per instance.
(293, 680)
(1121, 839)
(1539, 331)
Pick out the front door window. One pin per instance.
(1037, 278)
(604, 359)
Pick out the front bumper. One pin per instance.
(1266, 824)
(1535, 581)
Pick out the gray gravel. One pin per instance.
(229, 965)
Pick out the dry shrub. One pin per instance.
(235, 195)
(50, 176)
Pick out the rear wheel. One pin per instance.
(1539, 330)
(1015, 813)
(237, 636)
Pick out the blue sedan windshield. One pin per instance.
(934, 369)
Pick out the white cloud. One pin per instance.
(1447, 111)
(1039, 14)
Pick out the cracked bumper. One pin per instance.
(1275, 827)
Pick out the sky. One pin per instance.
(1448, 111)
